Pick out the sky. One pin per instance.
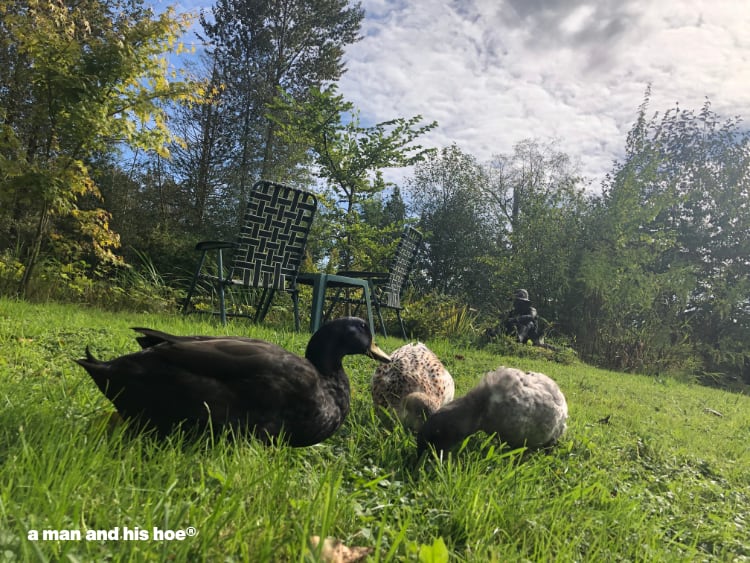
(495, 72)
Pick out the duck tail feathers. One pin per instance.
(151, 337)
(89, 360)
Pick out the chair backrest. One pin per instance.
(406, 254)
(274, 233)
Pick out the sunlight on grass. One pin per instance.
(649, 470)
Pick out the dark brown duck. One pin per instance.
(249, 385)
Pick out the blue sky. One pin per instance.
(494, 72)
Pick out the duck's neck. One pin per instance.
(327, 359)
(467, 413)
(323, 354)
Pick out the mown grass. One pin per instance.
(648, 470)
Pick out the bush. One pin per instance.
(11, 272)
(436, 315)
(123, 287)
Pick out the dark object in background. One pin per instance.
(521, 322)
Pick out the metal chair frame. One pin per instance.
(321, 282)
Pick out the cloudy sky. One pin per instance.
(494, 72)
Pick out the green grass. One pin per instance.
(665, 479)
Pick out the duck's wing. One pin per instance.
(246, 365)
(225, 380)
(230, 359)
(151, 337)
(260, 383)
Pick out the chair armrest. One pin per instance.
(215, 245)
(307, 278)
(375, 277)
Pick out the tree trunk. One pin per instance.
(267, 166)
(34, 250)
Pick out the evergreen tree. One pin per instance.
(262, 49)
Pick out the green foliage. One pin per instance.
(11, 272)
(663, 281)
(540, 193)
(281, 48)
(435, 553)
(507, 345)
(649, 469)
(79, 78)
(436, 315)
(137, 287)
(494, 228)
(153, 216)
(346, 152)
(349, 157)
(461, 233)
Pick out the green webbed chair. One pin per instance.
(268, 251)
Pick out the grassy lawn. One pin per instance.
(649, 470)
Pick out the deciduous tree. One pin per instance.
(349, 156)
(667, 275)
(77, 78)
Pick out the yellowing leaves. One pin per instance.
(89, 79)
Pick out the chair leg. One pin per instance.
(295, 303)
(193, 283)
(332, 303)
(380, 317)
(401, 322)
(368, 304)
(319, 295)
(266, 299)
(222, 308)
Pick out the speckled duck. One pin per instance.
(414, 384)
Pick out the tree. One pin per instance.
(461, 232)
(77, 78)
(667, 274)
(263, 48)
(537, 196)
(199, 161)
(349, 156)
(493, 228)
(383, 216)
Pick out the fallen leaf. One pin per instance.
(334, 551)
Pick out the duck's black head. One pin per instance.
(344, 337)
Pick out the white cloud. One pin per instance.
(495, 72)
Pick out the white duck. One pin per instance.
(521, 408)
(414, 384)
